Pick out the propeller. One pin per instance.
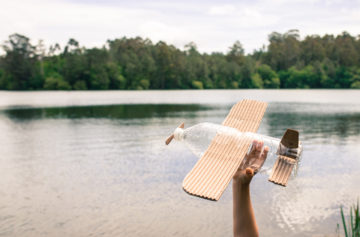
(169, 139)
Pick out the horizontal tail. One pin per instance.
(288, 152)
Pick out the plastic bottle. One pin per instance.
(198, 138)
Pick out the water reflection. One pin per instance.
(105, 111)
(104, 170)
(314, 121)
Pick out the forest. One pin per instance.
(288, 61)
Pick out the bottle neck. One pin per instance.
(179, 134)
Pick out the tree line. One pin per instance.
(135, 63)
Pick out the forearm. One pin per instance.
(243, 215)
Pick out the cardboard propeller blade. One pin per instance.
(171, 137)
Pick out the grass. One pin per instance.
(352, 227)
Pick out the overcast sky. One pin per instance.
(212, 25)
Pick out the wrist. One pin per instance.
(240, 183)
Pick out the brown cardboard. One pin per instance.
(284, 164)
(213, 172)
(282, 170)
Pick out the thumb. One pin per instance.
(249, 172)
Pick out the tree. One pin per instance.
(74, 66)
(19, 62)
(257, 81)
(135, 63)
(136, 57)
(96, 62)
(312, 50)
(246, 71)
(355, 80)
(283, 50)
(56, 83)
(269, 77)
(236, 53)
(346, 50)
(117, 80)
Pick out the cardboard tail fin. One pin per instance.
(286, 160)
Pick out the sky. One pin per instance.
(213, 25)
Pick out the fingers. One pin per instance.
(259, 146)
(256, 148)
(257, 156)
(259, 160)
(253, 148)
(255, 151)
(250, 155)
(265, 152)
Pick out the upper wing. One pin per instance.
(213, 172)
(246, 115)
(215, 169)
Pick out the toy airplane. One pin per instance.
(214, 170)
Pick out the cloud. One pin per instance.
(212, 25)
(222, 10)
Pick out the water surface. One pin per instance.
(95, 163)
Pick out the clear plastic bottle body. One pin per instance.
(198, 138)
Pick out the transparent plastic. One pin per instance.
(198, 138)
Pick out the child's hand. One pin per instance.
(252, 163)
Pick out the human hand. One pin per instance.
(251, 163)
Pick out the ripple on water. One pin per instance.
(104, 170)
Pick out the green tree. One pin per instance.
(197, 85)
(283, 50)
(96, 68)
(329, 68)
(269, 77)
(312, 50)
(356, 82)
(19, 62)
(301, 78)
(346, 50)
(257, 81)
(236, 53)
(3, 82)
(56, 83)
(117, 80)
(74, 62)
(80, 85)
(246, 71)
(136, 57)
(135, 63)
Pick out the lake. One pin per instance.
(95, 163)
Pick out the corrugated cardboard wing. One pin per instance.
(212, 173)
